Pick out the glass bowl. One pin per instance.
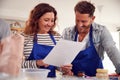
(34, 74)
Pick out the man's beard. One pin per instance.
(83, 29)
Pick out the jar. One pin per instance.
(102, 74)
(81, 74)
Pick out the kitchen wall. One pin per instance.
(107, 13)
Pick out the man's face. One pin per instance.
(83, 21)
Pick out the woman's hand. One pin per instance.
(41, 63)
(66, 69)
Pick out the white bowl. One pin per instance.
(35, 74)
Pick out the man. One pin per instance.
(98, 40)
(4, 29)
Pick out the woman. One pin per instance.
(40, 38)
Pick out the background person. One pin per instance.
(4, 29)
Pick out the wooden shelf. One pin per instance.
(17, 29)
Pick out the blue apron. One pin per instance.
(87, 60)
(40, 51)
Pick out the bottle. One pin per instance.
(102, 74)
(81, 74)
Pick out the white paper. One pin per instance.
(64, 52)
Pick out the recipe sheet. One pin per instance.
(64, 52)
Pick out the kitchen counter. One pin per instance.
(41, 75)
(38, 77)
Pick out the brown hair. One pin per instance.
(85, 7)
(38, 11)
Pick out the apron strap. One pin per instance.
(35, 38)
(90, 35)
(76, 35)
(53, 39)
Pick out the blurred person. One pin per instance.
(11, 48)
(4, 29)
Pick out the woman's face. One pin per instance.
(46, 22)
